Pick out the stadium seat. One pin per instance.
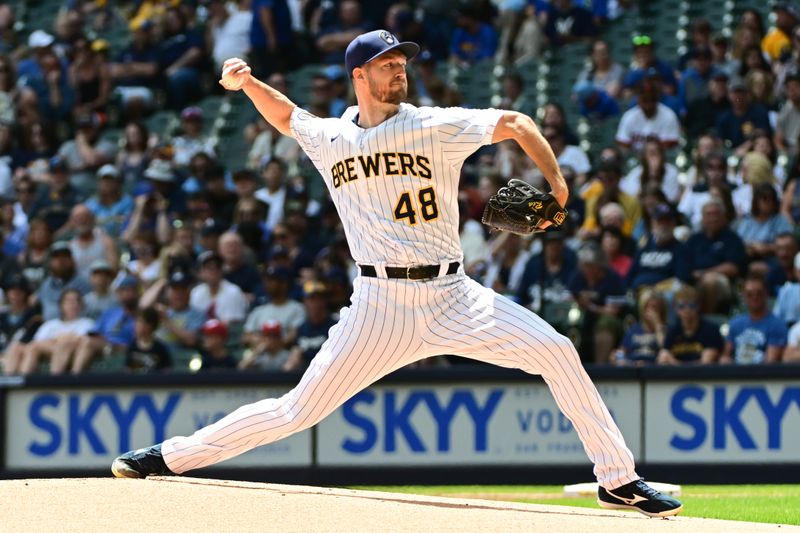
(114, 362)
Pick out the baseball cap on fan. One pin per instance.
(371, 45)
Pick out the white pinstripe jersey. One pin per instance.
(395, 185)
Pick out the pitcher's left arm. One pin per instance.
(522, 129)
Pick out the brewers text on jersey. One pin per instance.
(380, 164)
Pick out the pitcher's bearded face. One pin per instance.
(386, 77)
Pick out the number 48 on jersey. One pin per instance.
(407, 210)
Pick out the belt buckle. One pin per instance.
(420, 275)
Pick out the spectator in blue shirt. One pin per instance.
(180, 323)
(716, 257)
(691, 339)
(239, 268)
(694, 84)
(332, 40)
(313, 332)
(45, 75)
(780, 267)
(270, 37)
(62, 275)
(736, 124)
(787, 305)
(135, 70)
(663, 259)
(645, 61)
(756, 336)
(114, 331)
(568, 23)
(472, 40)
(701, 115)
(55, 201)
(594, 103)
(180, 57)
(548, 272)
(644, 340)
(764, 223)
(110, 206)
(600, 293)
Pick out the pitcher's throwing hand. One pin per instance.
(235, 73)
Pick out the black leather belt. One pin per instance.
(414, 272)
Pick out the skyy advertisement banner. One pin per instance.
(418, 424)
(465, 424)
(89, 428)
(722, 422)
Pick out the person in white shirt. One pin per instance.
(712, 175)
(57, 338)
(792, 352)
(649, 118)
(217, 297)
(228, 31)
(192, 140)
(290, 314)
(652, 168)
(273, 170)
(89, 243)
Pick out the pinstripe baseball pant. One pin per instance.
(391, 323)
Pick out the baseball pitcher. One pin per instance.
(392, 169)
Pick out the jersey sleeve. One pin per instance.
(308, 131)
(462, 131)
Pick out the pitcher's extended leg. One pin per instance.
(371, 340)
(476, 322)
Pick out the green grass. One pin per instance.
(776, 504)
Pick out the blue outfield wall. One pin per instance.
(455, 425)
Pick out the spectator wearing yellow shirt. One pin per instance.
(603, 190)
(152, 10)
(777, 41)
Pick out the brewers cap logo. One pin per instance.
(387, 37)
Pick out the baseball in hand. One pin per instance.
(235, 73)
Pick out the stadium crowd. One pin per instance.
(151, 254)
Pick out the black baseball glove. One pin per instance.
(522, 209)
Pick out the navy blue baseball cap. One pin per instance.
(368, 46)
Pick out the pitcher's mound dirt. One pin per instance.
(187, 504)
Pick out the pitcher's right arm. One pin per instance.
(274, 106)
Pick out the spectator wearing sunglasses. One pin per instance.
(755, 336)
(760, 228)
(716, 257)
(692, 338)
